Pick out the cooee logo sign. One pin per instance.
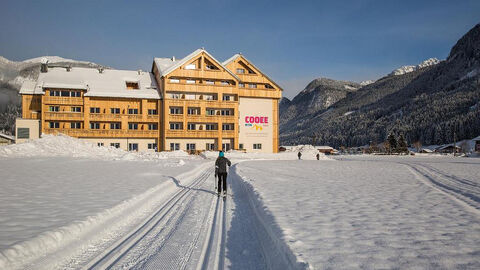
(256, 119)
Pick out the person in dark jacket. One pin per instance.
(318, 156)
(299, 155)
(221, 171)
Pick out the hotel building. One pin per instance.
(196, 103)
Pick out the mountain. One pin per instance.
(318, 95)
(13, 74)
(429, 103)
(407, 69)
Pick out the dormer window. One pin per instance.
(240, 71)
(132, 85)
(211, 67)
(268, 86)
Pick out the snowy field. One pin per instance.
(68, 204)
(373, 212)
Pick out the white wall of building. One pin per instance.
(255, 124)
(142, 143)
(33, 126)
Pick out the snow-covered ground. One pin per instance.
(68, 204)
(370, 212)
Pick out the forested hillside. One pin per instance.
(429, 105)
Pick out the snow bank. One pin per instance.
(308, 153)
(62, 145)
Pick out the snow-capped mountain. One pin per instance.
(407, 69)
(367, 82)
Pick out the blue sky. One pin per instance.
(291, 41)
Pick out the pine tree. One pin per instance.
(402, 144)
(392, 142)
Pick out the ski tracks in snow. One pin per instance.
(463, 191)
(187, 232)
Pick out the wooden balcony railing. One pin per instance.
(64, 116)
(109, 133)
(63, 100)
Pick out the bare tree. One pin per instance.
(418, 146)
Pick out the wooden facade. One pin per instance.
(199, 99)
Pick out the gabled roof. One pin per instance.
(476, 139)
(167, 65)
(237, 55)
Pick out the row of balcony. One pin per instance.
(124, 133)
(199, 133)
(98, 116)
(201, 118)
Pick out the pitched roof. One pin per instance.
(109, 83)
(237, 55)
(167, 65)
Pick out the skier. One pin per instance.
(221, 171)
(299, 155)
(318, 156)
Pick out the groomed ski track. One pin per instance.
(196, 229)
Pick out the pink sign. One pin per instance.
(256, 119)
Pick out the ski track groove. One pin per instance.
(107, 259)
(465, 194)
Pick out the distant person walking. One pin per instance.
(221, 172)
(299, 155)
(318, 156)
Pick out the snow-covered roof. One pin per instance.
(476, 139)
(167, 65)
(447, 146)
(12, 138)
(30, 87)
(109, 83)
(324, 147)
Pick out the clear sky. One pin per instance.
(291, 41)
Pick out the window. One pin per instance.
(174, 80)
(190, 96)
(226, 146)
(257, 146)
(23, 133)
(133, 126)
(228, 98)
(152, 146)
(190, 147)
(252, 85)
(224, 83)
(174, 146)
(210, 112)
(133, 147)
(116, 145)
(210, 67)
(227, 127)
(226, 112)
(152, 126)
(176, 110)
(115, 110)
(76, 94)
(132, 111)
(54, 93)
(100, 144)
(132, 85)
(240, 146)
(191, 66)
(193, 111)
(210, 147)
(76, 109)
(208, 97)
(210, 82)
(242, 85)
(191, 126)
(175, 125)
(65, 93)
(54, 109)
(191, 81)
(175, 96)
(94, 125)
(115, 125)
(152, 112)
(240, 71)
(54, 125)
(94, 110)
(75, 125)
(268, 86)
(210, 127)
(250, 71)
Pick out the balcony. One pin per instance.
(64, 116)
(199, 133)
(63, 100)
(105, 117)
(111, 133)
